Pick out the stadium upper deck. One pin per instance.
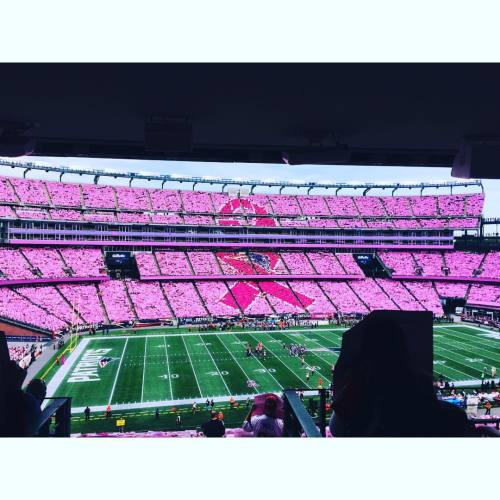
(196, 257)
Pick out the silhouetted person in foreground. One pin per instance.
(380, 391)
(213, 427)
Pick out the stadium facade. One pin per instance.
(101, 254)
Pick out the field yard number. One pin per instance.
(474, 360)
(172, 375)
(439, 362)
(264, 370)
(216, 374)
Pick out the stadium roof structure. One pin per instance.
(224, 182)
(351, 114)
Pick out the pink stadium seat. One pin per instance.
(400, 295)
(84, 261)
(173, 264)
(85, 300)
(98, 196)
(491, 265)
(49, 298)
(7, 212)
(317, 303)
(282, 299)
(326, 263)
(132, 217)
(65, 214)
(372, 295)
(148, 300)
(250, 298)
(47, 260)
(146, 264)
(32, 192)
(425, 293)
(133, 198)
(13, 265)
(430, 262)
(284, 205)
(235, 263)
(474, 204)
(451, 290)
(401, 263)
(451, 205)
(204, 263)
(485, 295)
(295, 222)
(313, 205)
(297, 263)
(7, 193)
(18, 308)
(462, 263)
(199, 220)
(197, 202)
(64, 194)
(99, 216)
(114, 297)
(184, 299)
(424, 205)
(342, 296)
(164, 199)
(217, 299)
(349, 264)
(397, 205)
(369, 206)
(31, 213)
(341, 205)
(167, 219)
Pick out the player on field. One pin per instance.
(108, 411)
(178, 420)
(307, 375)
(302, 360)
(87, 413)
(194, 408)
(493, 372)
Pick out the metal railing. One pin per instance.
(60, 409)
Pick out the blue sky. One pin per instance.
(264, 171)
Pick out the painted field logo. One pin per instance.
(104, 361)
(86, 369)
(251, 383)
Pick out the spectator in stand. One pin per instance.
(213, 427)
(265, 421)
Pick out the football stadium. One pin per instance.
(185, 250)
(140, 306)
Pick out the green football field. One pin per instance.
(165, 367)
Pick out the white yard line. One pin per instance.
(464, 345)
(237, 362)
(286, 366)
(485, 343)
(117, 372)
(144, 369)
(204, 334)
(215, 365)
(192, 366)
(168, 367)
(260, 362)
